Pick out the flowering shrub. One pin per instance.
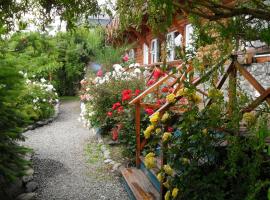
(205, 158)
(38, 99)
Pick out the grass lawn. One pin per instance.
(69, 98)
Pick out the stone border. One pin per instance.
(106, 153)
(46, 121)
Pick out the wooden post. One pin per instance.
(232, 89)
(138, 132)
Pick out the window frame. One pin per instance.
(145, 54)
(155, 51)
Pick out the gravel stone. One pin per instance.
(60, 163)
(26, 196)
(31, 186)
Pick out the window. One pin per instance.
(154, 51)
(131, 54)
(173, 39)
(145, 54)
(189, 33)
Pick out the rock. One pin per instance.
(103, 148)
(28, 175)
(113, 142)
(108, 161)
(116, 166)
(106, 154)
(31, 186)
(27, 196)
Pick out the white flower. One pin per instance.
(137, 65)
(56, 100)
(21, 72)
(131, 65)
(137, 71)
(44, 100)
(49, 88)
(28, 81)
(55, 93)
(118, 67)
(42, 80)
(25, 75)
(35, 108)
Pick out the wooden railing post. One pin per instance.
(232, 89)
(138, 132)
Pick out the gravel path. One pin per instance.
(61, 162)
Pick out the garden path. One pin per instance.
(61, 161)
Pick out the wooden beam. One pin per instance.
(251, 80)
(257, 101)
(138, 133)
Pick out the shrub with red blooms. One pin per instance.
(126, 95)
(161, 101)
(151, 82)
(137, 92)
(125, 58)
(116, 105)
(109, 114)
(157, 74)
(165, 89)
(120, 109)
(149, 111)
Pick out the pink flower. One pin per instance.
(125, 58)
(171, 90)
(100, 73)
(170, 129)
(83, 82)
(149, 111)
(120, 109)
(109, 114)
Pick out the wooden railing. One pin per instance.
(230, 72)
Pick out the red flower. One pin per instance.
(170, 129)
(109, 114)
(100, 73)
(165, 89)
(137, 92)
(151, 82)
(120, 109)
(149, 111)
(157, 74)
(126, 95)
(125, 58)
(116, 105)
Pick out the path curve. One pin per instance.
(60, 163)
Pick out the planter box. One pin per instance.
(262, 58)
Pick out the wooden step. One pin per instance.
(152, 173)
(140, 186)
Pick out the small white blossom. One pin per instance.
(42, 80)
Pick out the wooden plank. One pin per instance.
(138, 131)
(251, 80)
(170, 63)
(257, 101)
(139, 184)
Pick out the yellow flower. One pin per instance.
(165, 117)
(166, 184)
(196, 98)
(249, 118)
(166, 136)
(149, 160)
(215, 93)
(205, 132)
(154, 118)
(158, 130)
(151, 154)
(168, 170)
(148, 131)
(182, 92)
(185, 161)
(175, 192)
(160, 177)
(170, 98)
(168, 195)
